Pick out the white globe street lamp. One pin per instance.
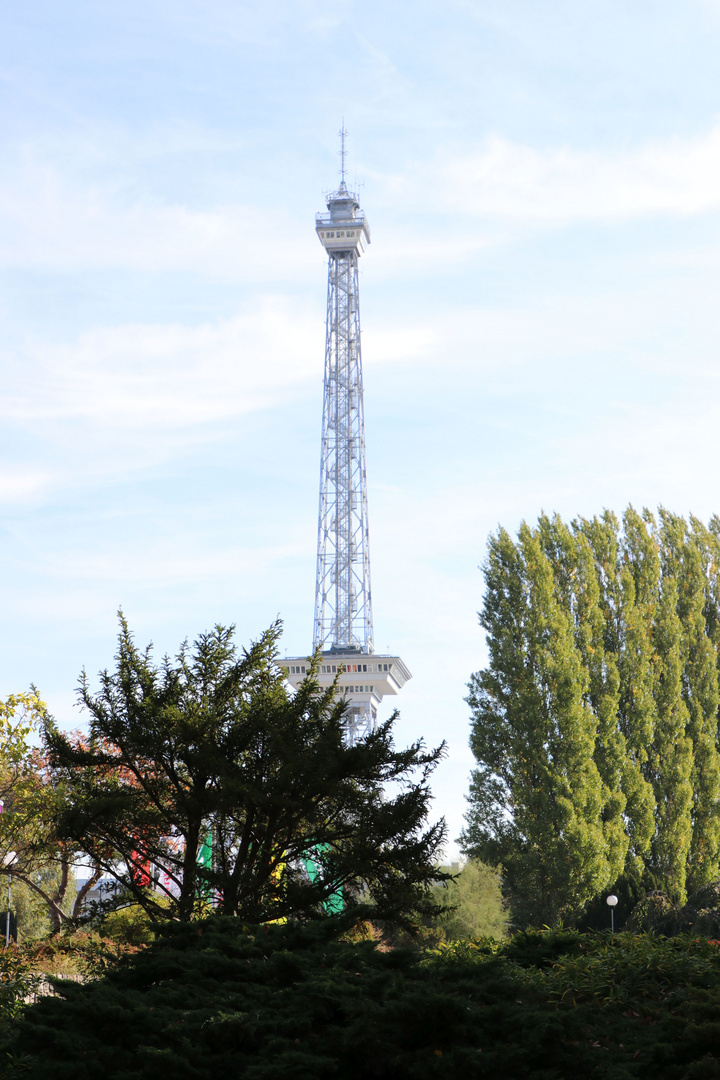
(611, 902)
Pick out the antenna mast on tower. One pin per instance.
(343, 628)
(342, 133)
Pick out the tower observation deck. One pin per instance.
(343, 628)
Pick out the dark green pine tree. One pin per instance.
(214, 742)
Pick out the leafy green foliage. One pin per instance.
(76, 952)
(30, 907)
(18, 979)
(220, 998)
(215, 743)
(595, 721)
(473, 904)
(700, 915)
(130, 925)
(24, 969)
(37, 862)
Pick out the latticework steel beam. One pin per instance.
(343, 605)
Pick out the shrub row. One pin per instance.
(220, 998)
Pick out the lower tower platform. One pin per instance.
(363, 680)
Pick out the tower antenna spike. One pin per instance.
(342, 133)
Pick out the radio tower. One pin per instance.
(343, 602)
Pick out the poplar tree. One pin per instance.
(595, 721)
(671, 759)
(539, 787)
(638, 571)
(700, 693)
(595, 637)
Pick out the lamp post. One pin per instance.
(611, 902)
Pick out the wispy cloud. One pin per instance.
(54, 220)
(19, 482)
(162, 377)
(121, 399)
(557, 185)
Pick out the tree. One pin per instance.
(473, 901)
(538, 795)
(595, 722)
(689, 556)
(30, 797)
(213, 751)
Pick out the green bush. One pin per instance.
(292, 1002)
(81, 952)
(473, 903)
(129, 925)
(17, 980)
(69, 955)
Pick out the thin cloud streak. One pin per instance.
(167, 376)
(51, 220)
(55, 221)
(677, 177)
(121, 400)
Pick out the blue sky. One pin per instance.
(539, 309)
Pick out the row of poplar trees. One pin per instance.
(595, 722)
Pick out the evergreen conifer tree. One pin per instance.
(214, 744)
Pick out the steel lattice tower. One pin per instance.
(343, 630)
(343, 603)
